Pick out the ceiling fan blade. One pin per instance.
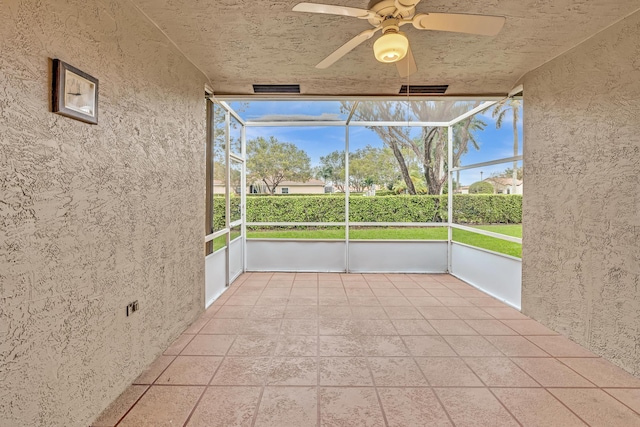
(331, 10)
(407, 65)
(347, 47)
(459, 23)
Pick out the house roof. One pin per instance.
(311, 182)
(245, 42)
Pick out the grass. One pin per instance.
(492, 243)
(396, 233)
(221, 241)
(379, 233)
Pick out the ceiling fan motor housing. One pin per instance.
(388, 7)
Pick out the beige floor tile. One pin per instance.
(472, 346)
(628, 396)
(597, 408)
(331, 291)
(414, 327)
(405, 407)
(452, 327)
(300, 312)
(437, 313)
(368, 312)
(373, 327)
(536, 407)
(299, 327)
(469, 313)
(364, 302)
(276, 292)
(225, 407)
(154, 370)
(359, 292)
(551, 373)
(386, 292)
(304, 292)
(447, 372)
(602, 373)
(396, 372)
(350, 407)
(297, 345)
(442, 293)
(375, 345)
(528, 327)
(293, 371)
(334, 312)
(425, 302)
(223, 326)
(516, 346)
(248, 300)
(499, 372)
(163, 406)
(340, 345)
(333, 301)
(190, 370)
(260, 326)
(490, 327)
(454, 302)
(396, 301)
(178, 345)
(272, 300)
(344, 371)
(474, 407)
(303, 301)
(487, 302)
(506, 313)
(559, 346)
(470, 293)
(267, 312)
(232, 312)
(195, 327)
(288, 407)
(336, 326)
(116, 410)
(428, 346)
(242, 371)
(403, 313)
(415, 292)
(208, 345)
(253, 345)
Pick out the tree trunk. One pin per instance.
(403, 167)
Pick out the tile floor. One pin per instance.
(400, 350)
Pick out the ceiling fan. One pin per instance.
(388, 16)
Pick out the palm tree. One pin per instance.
(500, 111)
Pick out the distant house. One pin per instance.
(313, 186)
(504, 185)
(463, 190)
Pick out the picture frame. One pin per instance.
(75, 93)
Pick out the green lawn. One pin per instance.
(221, 242)
(492, 243)
(398, 233)
(381, 233)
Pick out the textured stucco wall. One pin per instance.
(581, 254)
(93, 217)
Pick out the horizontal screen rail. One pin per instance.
(210, 237)
(489, 163)
(487, 233)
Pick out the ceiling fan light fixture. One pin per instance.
(391, 47)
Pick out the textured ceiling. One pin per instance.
(241, 42)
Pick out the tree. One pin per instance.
(272, 161)
(332, 169)
(500, 112)
(431, 146)
(508, 172)
(481, 187)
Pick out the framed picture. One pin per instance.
(75, 93)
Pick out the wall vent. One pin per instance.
(424, 89)
(276, 88)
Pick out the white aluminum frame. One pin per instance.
(489, 102)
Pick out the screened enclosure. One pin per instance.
(376, 186)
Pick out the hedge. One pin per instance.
(467, 209)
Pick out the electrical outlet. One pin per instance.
(132, 308)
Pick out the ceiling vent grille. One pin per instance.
(424, 89)
(276, 88)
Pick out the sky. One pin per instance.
(321, 140)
